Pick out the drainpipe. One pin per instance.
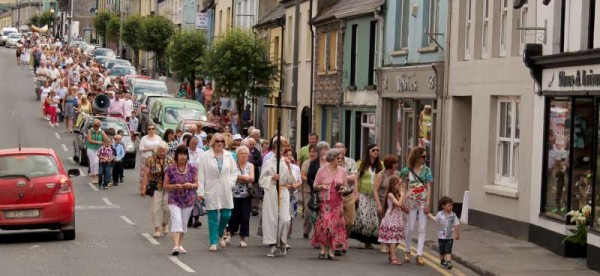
(447, 56)
(312, 65)
(379, 110)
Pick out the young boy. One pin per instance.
(449, 230)
(117, 174)
(133, 122)
(106, 156)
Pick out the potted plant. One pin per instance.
(576, 243)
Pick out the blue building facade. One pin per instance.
(411, 79)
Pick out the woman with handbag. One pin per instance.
(312, 205)
(330, 229)
(366, 226)
(242, 202)
(181, 181)
(380, 188)
(417, 182)
(217, 175)
(154, 172)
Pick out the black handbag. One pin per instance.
(151, 187)
(313, 201)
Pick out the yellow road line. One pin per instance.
(435, 262)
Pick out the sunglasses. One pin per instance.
(374, 150)
(150, 128)
(219, 141)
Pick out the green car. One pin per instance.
(168, 112)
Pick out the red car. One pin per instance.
(36, 192)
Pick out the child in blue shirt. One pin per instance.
(449, 230)
(119, 150)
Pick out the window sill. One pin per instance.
(428, 49)
(501, 190)
(332, 72)
(399, 53)
(321, 73)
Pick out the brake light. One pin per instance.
(65, 185)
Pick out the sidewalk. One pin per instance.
(489, 253)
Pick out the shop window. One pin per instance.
(507, 142)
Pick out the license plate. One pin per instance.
(22, 214)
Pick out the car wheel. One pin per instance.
(68, 235)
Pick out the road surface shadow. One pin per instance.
(12, 237)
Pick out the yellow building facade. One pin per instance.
(6, 19)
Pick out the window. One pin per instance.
(507, 145)
(485, 28)
(309, 39)
(322, 45)
(523, 34)
(290, 37)
(353, 55)
(468, 28)
(332, 50)
(276, 54)
(503, 27)
(220, 21)
(372, 45)
(402, 12)
(430, 20)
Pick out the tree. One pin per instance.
(42, 20)
(239, 64)
(100, 22)
(35, 20)
(113, 28)
(131, 36)
(155, 34)
(185, 51)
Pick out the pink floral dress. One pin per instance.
(391, 229)
(330, 227)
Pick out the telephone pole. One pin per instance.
(295, 57)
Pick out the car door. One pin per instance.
(79, 139)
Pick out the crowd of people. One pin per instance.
(230, 178)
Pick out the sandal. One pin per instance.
(321, 256)
(182, 250)
(331, 257)
(407, 257)
(395, 262)
(165, 230)
(156, 234)
(175, 251)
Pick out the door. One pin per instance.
(305, 125)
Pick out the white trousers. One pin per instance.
(93, 160)
(412, 217)
(160, 209)
(179, 218)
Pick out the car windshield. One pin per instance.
(173, 114)
(6, 33)
(104, 52)
(112, 63)
(122, 71)
(116, 125)
(141, 89)
(28, 165)
(14, 35)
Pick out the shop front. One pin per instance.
(570, 85)
(410, 108)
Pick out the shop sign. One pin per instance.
(416, 81)
(572, 78)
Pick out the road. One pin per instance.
(113, 226)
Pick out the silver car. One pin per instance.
(13, 40)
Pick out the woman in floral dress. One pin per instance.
(417, 180)
(391, 229)
(330, 229)
(366, 225)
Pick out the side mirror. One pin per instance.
(73, 172)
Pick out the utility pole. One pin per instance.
(120, 27)
(295, 56)
(70, 18)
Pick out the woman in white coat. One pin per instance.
(217, 174)
(276, 211)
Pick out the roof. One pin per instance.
(347, 8)
(271, 16)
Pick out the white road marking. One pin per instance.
(91, 207)
(150, 239)
(64, 147)
(93, 186)
(57, 136)
(183, 266)
(126, 220)
(106, 201)
(81, 172)
(72, 161)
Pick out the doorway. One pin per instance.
(305, 125)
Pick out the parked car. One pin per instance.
(121, 70)
(106, 52)
(145, 103)
(110, 63)
(101, 59)
(78, 43)
(80, 150)
(5, 32)
(36, 192)
(207, 127)
(13, 40)
(168, 112)
(138, 87)
(129, 78)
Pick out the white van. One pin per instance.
(4, 34)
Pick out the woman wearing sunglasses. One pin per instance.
(147, 145)
(366, 226)
(417, 182)
(217, 174)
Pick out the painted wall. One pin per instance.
(6, 19)
(416, 34)
(362, 51)
(223, 17)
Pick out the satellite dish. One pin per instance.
(93, 10)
